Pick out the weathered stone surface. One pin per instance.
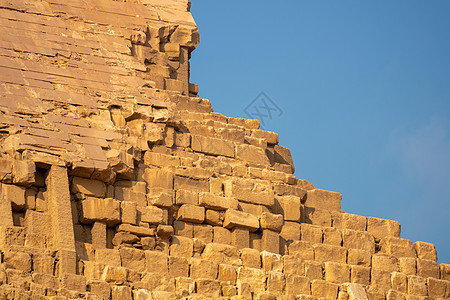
(237, 218)
(249, 191)
(191, 213)
(88, 187)
(212, 146)
(119, 182)
(212, 201)
(323, 199)
(381, 228)
(99, 209)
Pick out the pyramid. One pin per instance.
(119, 182)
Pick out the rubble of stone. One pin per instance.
(119, 182)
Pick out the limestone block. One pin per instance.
(282, 155)
(133, 259)
(88, 187)
(195, 185)
(255, 241)
(156, 262)
(253, 209)
(359, 257)
(212, 146)
(98, 235)
(337, 272)
(121, 293)
(271, 221)
(181, 246)
(240, 237)
(250, 258)
(408, 265)
(331, 253)
(142, 294)
(293, 265)
(381, 228)
(237, 218)
(164, 231)
(290, 231)
(301, 250)
(311, 233)
(313, 269)
(30, 198)
(212, 201)
(375, 293)
(110, 257)
(184, 286)
(23, 172)
(73, 282)
(17, 260)
(348, 221)
(150, 214)
(437, 288)
(332, 236)
(417, 286)
(425, 250)
(271, 261)
(316, 216)
(200, 268)
(252, 154)
(228, 290)
(227, 273)
(129, 212)
(397, 246)
(99, 288)
(15, 194)
(289, 207)
(360, 274)
(136, 230)
(256, 278)
(160, 197)
(395, 295)
(221, 235)
(380, 278)
(178, 266)
(358, 240)
(322, 199)
(427, 268)
(43, 264)
(275, 282)
(131, 191)
(59, 208)
(221, 254)
(191, 213)
(214, 218)
(445, 271)
(399, 282)
(98, 209)
(296, 285)
(270, 241)
(209, 288)
(158, 178)
(183, 229)
(321, 288)
(385, 262)
(250, 191)
(186, 197)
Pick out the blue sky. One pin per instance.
(364, 89)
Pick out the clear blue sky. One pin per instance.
(365, 92)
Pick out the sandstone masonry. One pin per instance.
(118, 182)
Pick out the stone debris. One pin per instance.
(117, 181)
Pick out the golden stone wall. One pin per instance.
(119, 182)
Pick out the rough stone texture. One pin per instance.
(119, 182)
